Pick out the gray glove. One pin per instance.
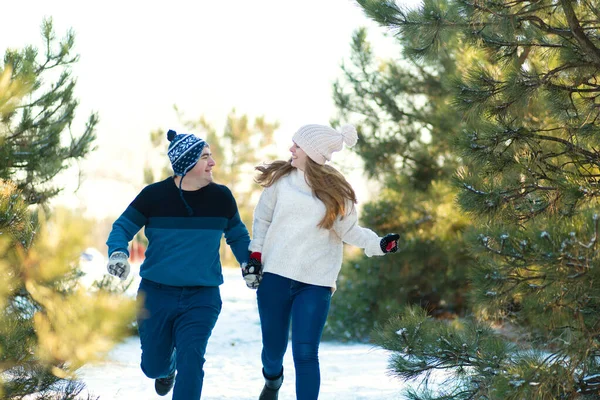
(118, 265)
(252, 271)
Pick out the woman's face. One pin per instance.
(298, 157)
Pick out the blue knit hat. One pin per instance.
(184, 152)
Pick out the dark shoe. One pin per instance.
(164, 385)
(271, 389)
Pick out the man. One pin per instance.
(184, 217)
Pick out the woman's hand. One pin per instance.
(389, 243)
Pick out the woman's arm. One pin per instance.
(350, 232)
(263, 215)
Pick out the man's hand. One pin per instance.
(389, 243)
(252, 271)
(118, 265)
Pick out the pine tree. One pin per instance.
(49, 325)
(529, 100)
(33, 145)
(406, 125)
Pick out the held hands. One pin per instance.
(252, 271)
(389, 243)
(118, 265)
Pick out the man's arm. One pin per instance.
(123, 231)
(237, 237)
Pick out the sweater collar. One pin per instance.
(299, 179)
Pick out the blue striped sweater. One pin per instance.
(182, 250)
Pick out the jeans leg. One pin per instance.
(199, 310)
(274, 308)
(155, 327)
(309, 314)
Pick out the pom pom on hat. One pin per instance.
(350, 135)
(319, 142)
(171, 135)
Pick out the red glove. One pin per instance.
(389, 243)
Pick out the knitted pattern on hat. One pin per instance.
(319, 142)
(184, 151)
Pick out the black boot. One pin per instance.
(164, 385)
(272, 385)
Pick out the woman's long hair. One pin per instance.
(327, 184)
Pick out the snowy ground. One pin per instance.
(233, 368)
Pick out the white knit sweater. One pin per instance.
(285, 230)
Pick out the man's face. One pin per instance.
(203, 168)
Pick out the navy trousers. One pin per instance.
(282, 301)
(174, 326)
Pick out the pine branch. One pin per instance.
(572, 89)
(590, 156)
(593, 8)
(586, 44)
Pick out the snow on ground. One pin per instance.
(233, 367)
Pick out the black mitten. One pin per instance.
(252, 270)
(389, 243)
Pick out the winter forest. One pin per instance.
(480, 136)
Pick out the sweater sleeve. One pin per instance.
(129, 223)
(236, 235)
(263, 215)
(124, 229)
(350, 232)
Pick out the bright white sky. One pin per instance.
(274, 58)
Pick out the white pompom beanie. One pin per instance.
(320, 141)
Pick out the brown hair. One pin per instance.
(326, 182)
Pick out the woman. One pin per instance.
(305, 214)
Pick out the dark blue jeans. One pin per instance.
(282, 301)
(174, 325)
